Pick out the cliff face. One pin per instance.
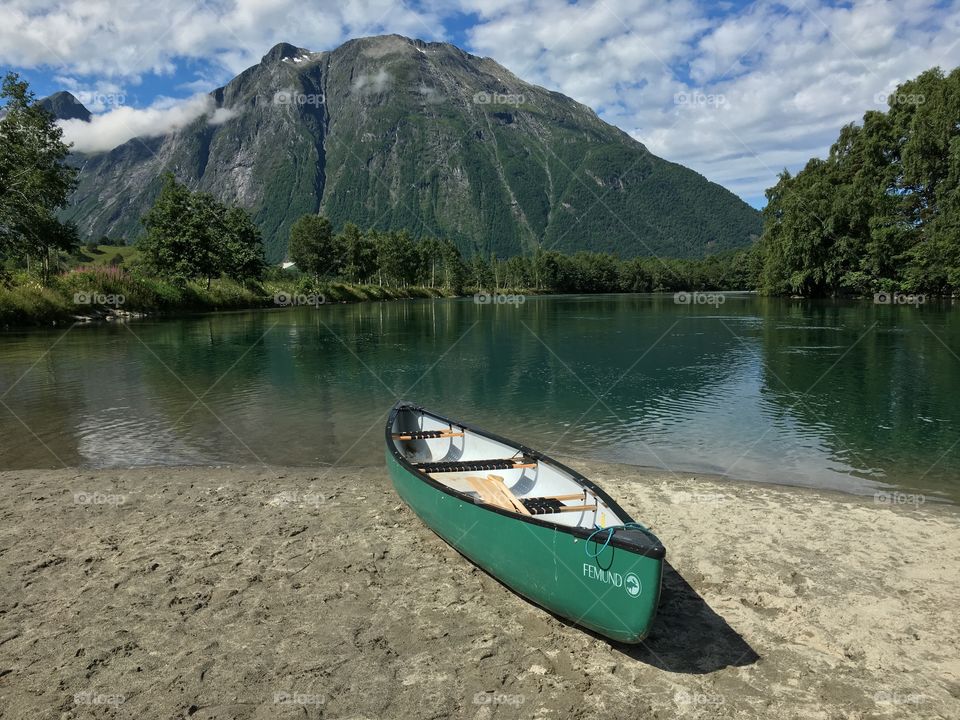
(394, 133)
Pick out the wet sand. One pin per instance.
(298, 593)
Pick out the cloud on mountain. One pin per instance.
(117, 126)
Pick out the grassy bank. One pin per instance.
(102, 291)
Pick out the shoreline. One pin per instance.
(256, 592)
(42, 307)
(889, 495)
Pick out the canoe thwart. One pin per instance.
(427, 435)
(474, 465)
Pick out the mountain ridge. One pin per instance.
(395, 133)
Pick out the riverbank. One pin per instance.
(103, 293)
(270, 592)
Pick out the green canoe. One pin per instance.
(539, 527)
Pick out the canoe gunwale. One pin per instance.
(621, 540)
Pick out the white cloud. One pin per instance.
(791, 73)
(373, 83)
(113, 128)
(127, 38)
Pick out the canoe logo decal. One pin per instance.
(629, 582)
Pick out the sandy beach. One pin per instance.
(303, 593)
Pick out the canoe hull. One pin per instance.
(615, 595)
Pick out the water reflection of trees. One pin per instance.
(888, 401)
(322, 377)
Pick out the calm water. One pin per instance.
(848, 396)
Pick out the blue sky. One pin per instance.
(736, 90)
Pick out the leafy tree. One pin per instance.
(454, 270)
(190, 235)
(359, 261)
(481, 274)
(430, 252)
(242, 244)
(881, 211)
(517, 272)
(397, 258)
(34, 182)
(314, 248)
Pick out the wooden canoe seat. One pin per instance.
(475, 465)
(427, 435)
(493, 491)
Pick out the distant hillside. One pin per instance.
(395, 133)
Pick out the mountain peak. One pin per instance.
(283, 51)
(64, 106)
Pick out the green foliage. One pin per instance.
(359, 254)
(190, 235)
(882, 211)
(32, 304)
(34, 181)
(314, 248)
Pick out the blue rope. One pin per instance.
(610, 530)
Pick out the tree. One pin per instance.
(397, 258)
(481, 273)
(881, 211)
(242, 243)
(517, 272)
(34, 182)
(359, 254)
(314, 248)
(430, 252)
(190, 235)
(454, 271)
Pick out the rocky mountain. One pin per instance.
(394, 133)
(65, 106)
